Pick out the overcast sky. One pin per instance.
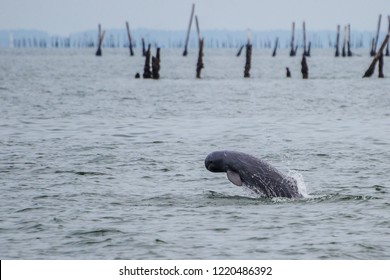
(62, 17)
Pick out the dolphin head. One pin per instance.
(215, 162)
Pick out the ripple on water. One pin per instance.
(103, 166)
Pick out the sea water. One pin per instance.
(96, 164)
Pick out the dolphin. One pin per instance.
(256, 174)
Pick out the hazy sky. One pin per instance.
(63, 17)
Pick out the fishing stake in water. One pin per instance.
(248, 56)
(188, 31)
(305, 68)
(371, 69)
(147, 73)
(100, 40)
(199, 65)
(130, 42)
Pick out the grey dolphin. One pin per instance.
(256, 174)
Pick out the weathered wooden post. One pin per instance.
(248, 60)
(293, 50)
(199, 64)
(373, 50)
(156, 65)
(372, 46)
(240, 50)
(349, 52)
(100, 40)
(337, 41)
(304, 68)
(276, 46)
(288, 73)
(380, 66)
(143, 47)
(188, 31)
(344, 42)
(197, 27)
(304, 38)
(130, 41)
(371, 68)
(308, 49)
(147, 73)
(248, 57)
(388, 43)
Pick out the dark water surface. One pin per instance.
(97, 165)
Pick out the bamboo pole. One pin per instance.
(188, 31)
(371, 68)
(130, 42)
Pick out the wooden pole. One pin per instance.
(372, 46)
(188, 31)
(288, 73)
(248, 57)
(349, 52)
(200, 65)
(156, 65)
(143, 47)
(197, 27)
(99, 32)
(240, 50)
(308, 49)
(371, 68)
(147, 73)
(304, 68)
(380, 66)
(100, 40)
(304, 38)
(344, 41)
(293, 49)
(276, 46)
(373, 51)
(130, 42)
(388, 43)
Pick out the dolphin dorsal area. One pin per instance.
(254, 173)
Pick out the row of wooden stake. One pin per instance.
(378, 56)
(304, 66)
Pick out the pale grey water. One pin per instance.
(97, 165)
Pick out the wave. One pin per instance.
(309, 198)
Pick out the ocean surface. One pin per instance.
(95, 164)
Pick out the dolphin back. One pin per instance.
(261, 177)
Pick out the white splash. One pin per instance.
(300, 182)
